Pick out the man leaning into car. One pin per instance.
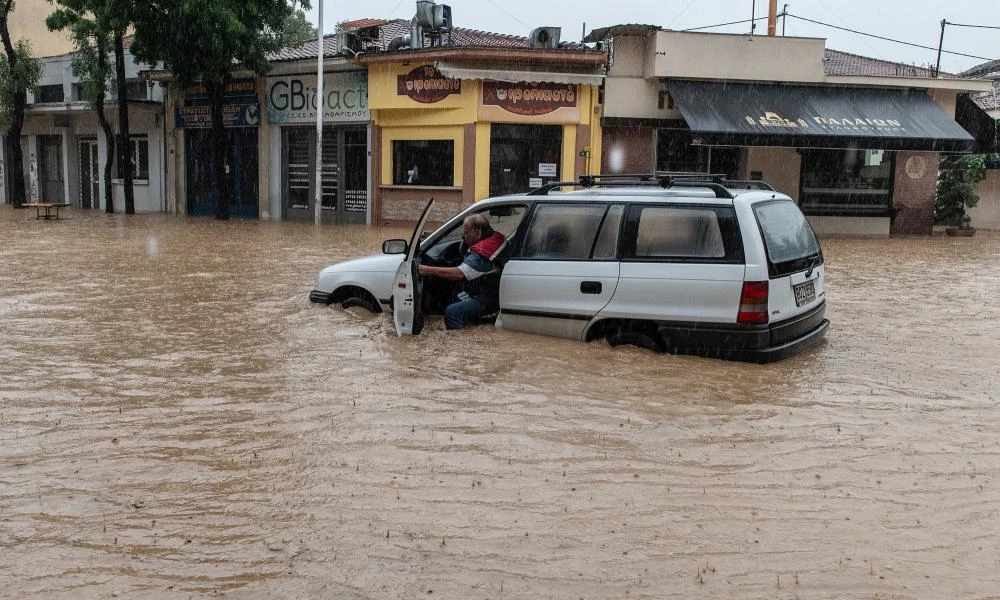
(477, 292)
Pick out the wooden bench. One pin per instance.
(51, 209)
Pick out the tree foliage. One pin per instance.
(956, 188)
(93, 37)
(19, 72)
(297, 30)
(17, 80)
(202, 42)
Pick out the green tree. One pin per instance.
(956, 191)
(19, 72)
(202, 41)
(297, 30)
(93, 38)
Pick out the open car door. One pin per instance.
(407, 290)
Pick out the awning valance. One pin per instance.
(746, 114)
(470, 72)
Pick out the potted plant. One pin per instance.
(956, 192)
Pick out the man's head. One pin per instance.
(474, 228)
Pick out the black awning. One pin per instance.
(979, 123)
(746, 114)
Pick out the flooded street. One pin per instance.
(177, 420)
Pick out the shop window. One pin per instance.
(676, 152)
(423, 162)
(50, 93)
(523, 157)
(847, 182)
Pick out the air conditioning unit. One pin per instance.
(545, 37)
(348, 43)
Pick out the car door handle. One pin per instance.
(590, 287)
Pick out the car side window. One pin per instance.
(684, 233)
(562, 231)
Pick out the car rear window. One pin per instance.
(790, 242)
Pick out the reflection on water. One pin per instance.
(176, 419)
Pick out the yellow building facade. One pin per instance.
(460, 127)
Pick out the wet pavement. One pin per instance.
(177, 420)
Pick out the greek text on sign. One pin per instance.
(529, 98)
(546, 169)
(427, 85)
(233, 115)
(292, 99)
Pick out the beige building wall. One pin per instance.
(986, 215)
(779, 166)
(27, 21)
(762, 58)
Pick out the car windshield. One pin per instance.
(504, 219)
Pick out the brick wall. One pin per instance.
(628, 149)
(913, 191)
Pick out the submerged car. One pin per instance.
(681, 265)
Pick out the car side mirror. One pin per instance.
(394, 246)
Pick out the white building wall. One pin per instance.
(986, 215)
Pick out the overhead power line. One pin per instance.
(887, 38)
(724, 24)
(976, 26)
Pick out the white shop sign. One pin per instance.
(292, 99)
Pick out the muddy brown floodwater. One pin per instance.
(177, 420)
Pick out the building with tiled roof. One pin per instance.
(988, 101)
(458, 113)
(854, 140)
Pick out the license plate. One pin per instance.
(805, 292)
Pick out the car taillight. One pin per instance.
(753, 303)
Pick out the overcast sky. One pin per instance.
(913, 21)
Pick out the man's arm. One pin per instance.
(451, 273)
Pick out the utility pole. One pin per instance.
(937, 69)
(320, 109)
(772, 18)
(784, 17)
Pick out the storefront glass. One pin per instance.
(846, 182)
(523, 157)
(676, 152)
(423, 162)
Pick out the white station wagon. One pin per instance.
(678, 264)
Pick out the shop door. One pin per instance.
(50, 176)
(241, 172)
(344, 178)
(90, 174)
(523, 157)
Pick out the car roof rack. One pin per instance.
(715, 183)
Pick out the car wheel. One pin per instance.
(634, 338)
(359, 301)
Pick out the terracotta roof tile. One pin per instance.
(389, 30)
(987, 70)
(988, 100)
(836, 62)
